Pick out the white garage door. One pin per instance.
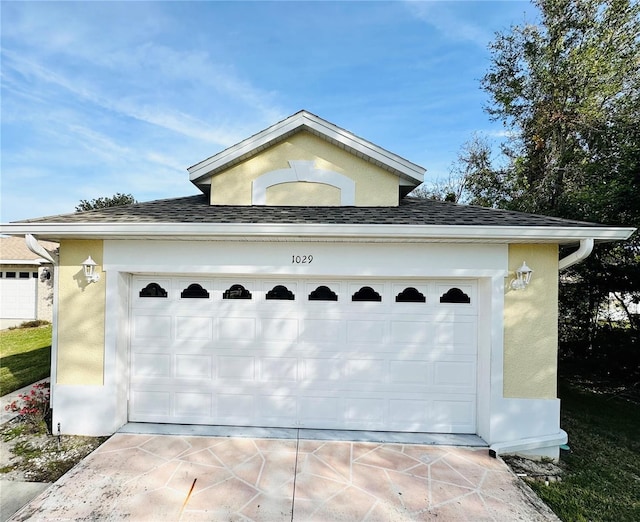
(18, 295)
(365, 355)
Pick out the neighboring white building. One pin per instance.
(26, 283)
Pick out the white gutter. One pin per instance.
(39, 261)
(533, 443)
(327, 232)
(586, 246)
(38, 249)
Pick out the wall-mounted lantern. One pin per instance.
(90, 274)
(523, 277)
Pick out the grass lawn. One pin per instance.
(602, 479)
(25, 357)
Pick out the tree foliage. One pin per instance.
(116, 200)
(561, 88)
(471, 178)
(567, 91)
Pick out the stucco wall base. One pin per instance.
(86, 410)
(530, 427)
(517, 419)
(534, 447)
(546, 452)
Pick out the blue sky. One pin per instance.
(106, 97)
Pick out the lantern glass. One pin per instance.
(523, 277)
(89, 266)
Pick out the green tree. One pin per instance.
(567, 91)
(104, 202)
(472, 178)
(557, 87)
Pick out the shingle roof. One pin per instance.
(14, 248)
(411, 211)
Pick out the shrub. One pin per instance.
(32, 407)
(30, 324)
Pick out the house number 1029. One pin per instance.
(301, 260)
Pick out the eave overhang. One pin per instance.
(318, 232)
(409, 173)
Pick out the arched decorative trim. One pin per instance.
(410, 295)
(303, 171)
(236, 292)
(280, 292)
(455, 295)
(153, 290)
(366, 293)
(194, 291)
(323, 293)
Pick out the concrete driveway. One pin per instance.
(168, 477)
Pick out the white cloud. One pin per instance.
(503, 133)
(450, 22)
(136, 107)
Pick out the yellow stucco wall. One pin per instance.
(531, 325)
(80, 315)
(374, 186)
(306, 194)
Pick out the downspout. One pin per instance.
(39, 250)
(586, 246)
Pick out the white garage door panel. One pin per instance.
(299, 363)
(18, 298)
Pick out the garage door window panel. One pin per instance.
(410, 295)
(323, 293)
(455, 296)
(366, 293)
(236, 291)
(280, 293)
(153, 290)
(194, 291)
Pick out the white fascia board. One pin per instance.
(318, 232)
(33, 262)
(406, 169)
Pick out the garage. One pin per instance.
(304, 286)
(358, 354)
(18, 291)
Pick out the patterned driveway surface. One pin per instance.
(184, 478)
